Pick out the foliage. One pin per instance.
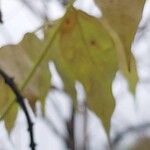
(83, 48)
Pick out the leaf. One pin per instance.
(5, 94)
(123, 16)
(20, 61)
(88, 50)
(83, 48)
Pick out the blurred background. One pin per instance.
(130, 123)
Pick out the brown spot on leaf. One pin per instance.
(93, 42)
(67, 21)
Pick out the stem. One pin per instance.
(20, 100)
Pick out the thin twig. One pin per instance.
(55, 106)
(33, 10)
(1, 16)
(1, 20)
(53, 128)
(85, 125)
(83, 111)
(131, 129)
(70, 142)
(10, 82)
(64, 2)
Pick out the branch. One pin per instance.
(54, 129)
(1, 16)
(10, 82)
(131, 129)
(70, 142)
(34, 10)
(85, 125)
(1, 20)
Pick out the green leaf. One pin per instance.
(88, 50)
(83, 48)
(6, 95)
(123, 16)
(21, 62)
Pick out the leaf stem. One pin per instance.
(20, 100)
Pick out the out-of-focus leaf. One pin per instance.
(83, 48)
(19, 61)
(6, 94)
(123, 16)
(10, 117)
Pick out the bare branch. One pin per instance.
(53, 128)
(1, 20)
(10, 82)
(131, 129)
(70, 128)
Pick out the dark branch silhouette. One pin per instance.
(70, 141)
(69, 123)
(35, 11)
(53, 128)
(1, 17)
(20, 100)
(131, 129)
